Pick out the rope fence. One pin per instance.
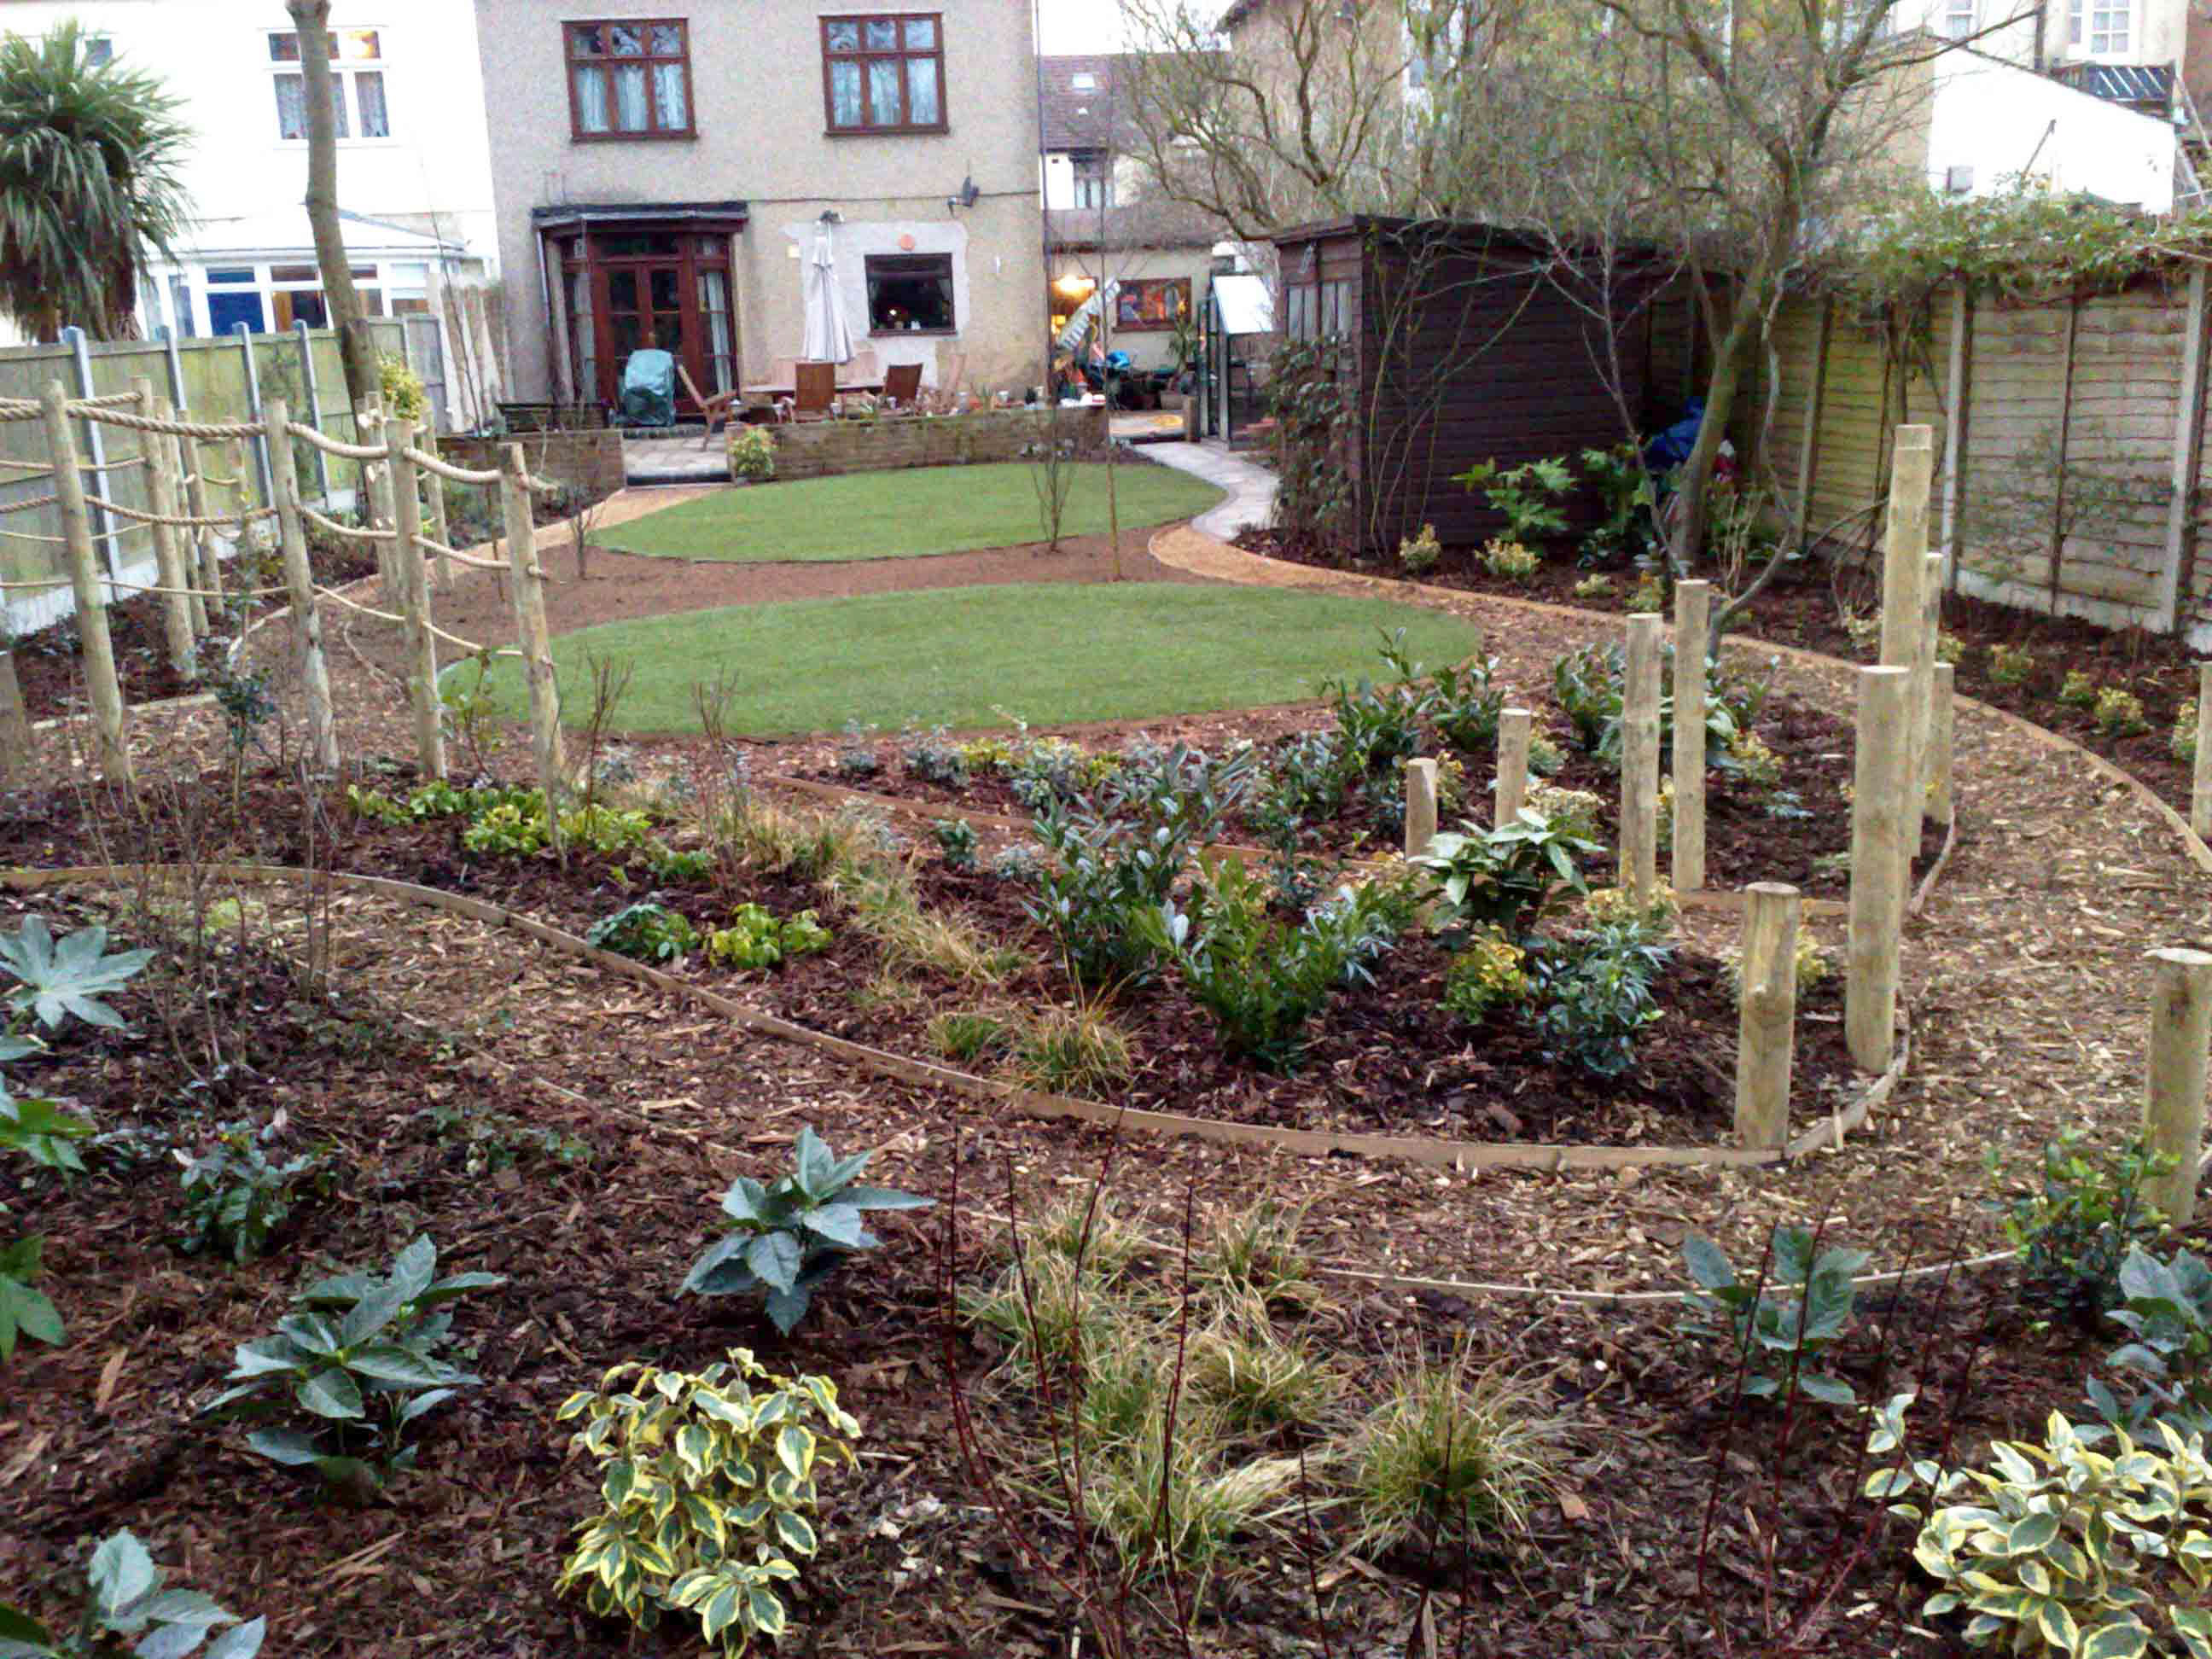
(408, 531)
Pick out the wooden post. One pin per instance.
(1692, 629)
(531, 633)
(1941, 804)
(168, 551)
(413, 572)
(17, 743)
(2174, 1093)
(300, 589)
(2200, 792)
(1923, 695)
(372, 496)
(106, 693)
(1879, 774)
(185, 463)
(1421, 806)
(1639, 760)
(1514, 728)
(2177, 570)
(434, 497)
(1766, 1023)
(1904, 575)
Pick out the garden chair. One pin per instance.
(901, 385)
(817, 385)
(716, 409)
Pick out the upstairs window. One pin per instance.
(2099, 28)
(357, 100)
(631, 79)
(1094, 186)
(99, 51)
(884, 73)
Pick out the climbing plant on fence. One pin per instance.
(1314, 508)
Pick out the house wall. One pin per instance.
(757, 102)
(2008, 29)
(1999, 120)
(1147, 347)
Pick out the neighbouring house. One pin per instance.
(663, 176)
(414, 168)
(1102, 225)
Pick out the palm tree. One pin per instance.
(89, 183)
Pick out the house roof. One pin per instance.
(574, 215)
(1141, 223)
(1077, 96)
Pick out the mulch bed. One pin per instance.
(1798, 607)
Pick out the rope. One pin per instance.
(62, 541)
(45, 468)
(333, 527)
(469, 645)
(22, 412)
(544, 486)
(332, 447)
(110, 400)
(458, 557)
(25, 505)
(195, 592)
(178, 518)
(447, 470)
(147, 423)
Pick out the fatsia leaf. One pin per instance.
(242, 1643)
(170, 1641)
(814, 1162)
(746, 1200)
(840, 1224)
(331, 1393)
(786, 1308)
(286, 1446)
(121, 1571)
(884, 1197)
(776, 1258)
(395, 1365)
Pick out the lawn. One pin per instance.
(903, 515)
(956, 657)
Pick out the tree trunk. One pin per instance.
(1731, 357)
(355, 350)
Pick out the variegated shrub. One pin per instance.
(709, 1486)
(2072, 1551)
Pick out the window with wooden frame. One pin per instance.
(909, 294)
(631, 79)
(357, 95)
(884, 73)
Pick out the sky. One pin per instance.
(1077, 25)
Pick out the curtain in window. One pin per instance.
(591, 98)
(291, 107)
(338, 102)
(884, 92)
(630, 98)
(921, 92)
(845, 95)
(580, 327)
(668, 107)
(368, 91)
(714, 306)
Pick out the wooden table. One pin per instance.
(773, 393)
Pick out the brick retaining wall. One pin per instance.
(821, 448)
(591, 460)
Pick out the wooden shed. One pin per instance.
(1465, 342)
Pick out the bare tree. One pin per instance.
(356, 352)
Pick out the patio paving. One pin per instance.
(1251, 487)
(674, 460)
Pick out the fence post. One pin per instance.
(1692, 629)
(1421, 806)
(260, 446)
(299, 591)
(2174, 1091)
(434, 497)
(414, 576)
(1940, 726)
(530, 632)
(1879, 805)
(107, 711)
(168, 559)
(1639, 760)
(1766, 1022)
(376, 483)
(192, 462)
(1514, 728)
(314, 412)
(242, 495)
(1923, 698)
(17, 743)
(2200, 791)
(95, 449)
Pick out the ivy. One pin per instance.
(1313, 496)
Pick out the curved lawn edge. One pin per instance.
(982, 657)
(910, 513)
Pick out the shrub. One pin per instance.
(125, 1597)
(784, 1239)
(1545, 757)
(1171, 1500)
(603, 830)
(59, 981)
(367, 1372)
(1451, 1449)
(1610, 906)
(235, 1198)
(1526, 495)
(1572, 811)
(2070, 1551)
(2074, 1234)
(709, 1491)
(1503, 878)
(1467, 704)
(2167, 1314)
(1810, 965)
(1510, 559)
(22, 1308)
(2011, 665)
(506, 831)
(957, 839)
(1257, 1382)
(405, 399)
(754, 938)
(856, 756)
(1593, 993)
(1599, 586)
(645, 933)
(1256, 1250)
(931, 758)
(1950, 648)
(2182, 743)
(752, 453)
(1624, 484)
(2119, 714)
(1377, 726)
(1419, 554)
(985, 755)
(1649, 595)
(966, 1036)
(1751, 760)
(1790, 1320)
(39, 1129)
(1485, 975)
(1071, 1051)
(1019, 864)
(2079, 691)
(667, 865)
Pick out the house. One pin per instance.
(1103, 226)
(414, 158)
(662, 177)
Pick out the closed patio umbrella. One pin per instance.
(828, 339)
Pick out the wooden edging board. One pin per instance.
(1449, 1154)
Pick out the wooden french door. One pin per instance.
(651, 290)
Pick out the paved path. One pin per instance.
(1251, 487)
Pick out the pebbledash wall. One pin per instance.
(2113, 382)
(816, 450)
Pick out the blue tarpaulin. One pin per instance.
(648, 389)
